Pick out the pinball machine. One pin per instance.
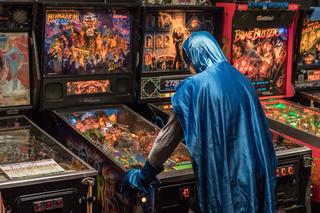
(307, 72)
(302, 121)
(259, 40)
(164, 29)
(37, 174)
(89, 65)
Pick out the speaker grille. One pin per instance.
(53, 91)
(123, 85)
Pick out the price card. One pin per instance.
(31, 169)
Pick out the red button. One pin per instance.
(186, 193)
(49, 204)
(59, 203)
(290, 170)
(38, 206)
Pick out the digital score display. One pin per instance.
(160, 87)
(88, 87)
(285, 171)
(169, 83)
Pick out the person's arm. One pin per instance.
(166, 141)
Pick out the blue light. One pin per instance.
(73, 121)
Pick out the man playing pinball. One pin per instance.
(219, 115)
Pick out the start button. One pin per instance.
(185, 193)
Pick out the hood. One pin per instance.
(203, 50)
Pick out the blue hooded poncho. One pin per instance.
(226, 133)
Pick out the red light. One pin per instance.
(49, 204)
(277, 172)
(290, 170)
(38, 206)
(283, 172)
(185, 193)
(59, 203)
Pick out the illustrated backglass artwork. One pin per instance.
(310, 43)
(83, 42)
(308, 72)
(14, 70)
(261, 55)
(88, 87)
(165, 33)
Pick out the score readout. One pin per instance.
(169, 83)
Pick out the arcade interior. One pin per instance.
(86, 86)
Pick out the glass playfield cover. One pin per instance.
(123, 135)
(298, 117)
(28, 153)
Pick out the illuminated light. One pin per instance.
(59, 203)
(283, 172)
(293, 124)
(49, 204)
(144, 200)
(277, 172)
(290, 170)
(37, 206)
(186, 193)
(265, 46)
(280, 106)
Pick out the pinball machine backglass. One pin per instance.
(15, 69)
(307, 72)
(261, 55)
(87, 54)
(165, 30)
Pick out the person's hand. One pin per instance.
(135, 180)
(139, 179)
